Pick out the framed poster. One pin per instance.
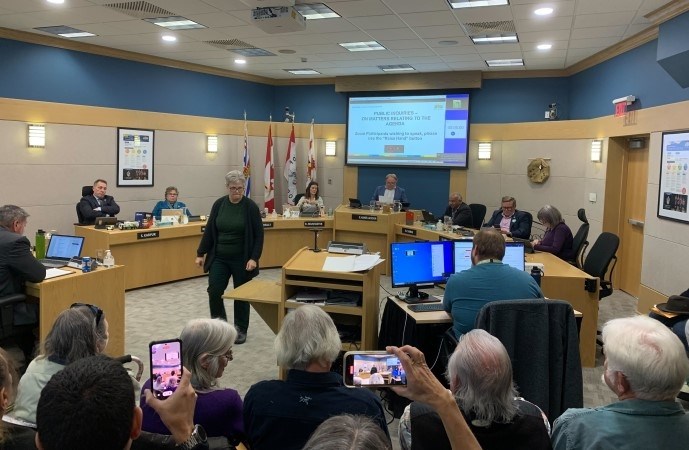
(135, 157)
(674, 173)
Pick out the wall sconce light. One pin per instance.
(330, 148)
(596, 150)
(36, 135)
(484, 150)
(212, 144)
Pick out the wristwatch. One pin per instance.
(198, 436)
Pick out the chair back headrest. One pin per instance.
(600, 255)
(581, 214)
(86, 191)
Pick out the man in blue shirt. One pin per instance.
(645, 366)
(487, 280)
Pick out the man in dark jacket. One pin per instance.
(97, 204)
(510, 221)
(459, 211)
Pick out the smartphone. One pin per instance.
(373, 369)
(166, 366)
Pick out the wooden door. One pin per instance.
(632, 218)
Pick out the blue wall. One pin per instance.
(319, 102)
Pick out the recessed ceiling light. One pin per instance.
(174, 23)
(169, 38)
(397, 68)
(302, 71)
(65, 31)
(544, 46)
(503, 39)
(240, 61)
(316, 11)
(504, 62)
(543, 11)
(476, 3)
(362, 46)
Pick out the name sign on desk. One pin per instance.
(148, 235)
(314, 223)
(268, 224)
(408, 231)
(365, 217)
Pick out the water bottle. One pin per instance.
(274, 214)
(108, 260)
(439, 225)
(40, 244)
(536, 274)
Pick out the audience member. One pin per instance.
(375, 377)
(283, 414)
(170, 202)
(510, 221)
(645, 366)
(12, 437)
(77, 333)
(90, 405)
(18, 265)
(390, 192)
(311, 202)
(230, 247)
(97, 204)
(206, 351)
(487, 280)
(459, 211)
(347, 432)
(558, 237)
(677, 306)
(480, 377)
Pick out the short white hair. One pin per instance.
(307, 335)
(650, 356)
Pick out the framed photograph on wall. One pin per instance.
(673, 188)
(135, 157)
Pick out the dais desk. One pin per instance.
(283, 237)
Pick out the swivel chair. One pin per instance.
(478, 215)
(85, 191)
(602, 253)
(580, 243)
(297, 198)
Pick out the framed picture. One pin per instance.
(674, 176)
(135, 157)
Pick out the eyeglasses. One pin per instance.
(94, 309)
(227, 356)
(236, 188)
(172, 194)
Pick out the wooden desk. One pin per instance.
(417, 232)
(152, 256)
(283, 237)
(374, 228)
(102, 287)
(265, 296)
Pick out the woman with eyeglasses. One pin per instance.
(170, 202)
(78, 332)
(230, 247)
(206, 352)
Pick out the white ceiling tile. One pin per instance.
(426, 19)
(606, 6)
(395, 34)
(360, 8)
(603, 19)
(541, 36)
(446, 31)
(378, 22)
(414, 6)
(487, 14)
(556, 23)
(560, 9)
(596, 32)
(600, 43)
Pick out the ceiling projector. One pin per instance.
(278, 19)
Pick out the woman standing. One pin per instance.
(231, 244)
(310, 202)
(558, 238)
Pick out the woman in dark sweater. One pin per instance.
(558, 237)
(230, 247)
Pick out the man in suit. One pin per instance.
(390, 193)
(459, 211)
(511, 222)
(17, 264)
(98, 204)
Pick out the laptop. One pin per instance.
(309, 214)
(178, 213)
(428, 217)
(354, 203)
(514, 255)
(102, 222)
(62, 249)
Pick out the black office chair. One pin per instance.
(13, 335)
(530, 217)
(580, 243)
(297, 198)
(85, 192)
(598, 260)
(478, 214)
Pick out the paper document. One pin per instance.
(351, 263)
(52, 273)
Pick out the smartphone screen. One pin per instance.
(373, 369)
(166, 367)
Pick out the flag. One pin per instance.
(311, 165)
(290, 171)
(269, 174)
(247, 163)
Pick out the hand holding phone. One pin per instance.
(373, 369)
(166, 367)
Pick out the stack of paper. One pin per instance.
(351, 263)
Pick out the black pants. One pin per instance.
(218, 278)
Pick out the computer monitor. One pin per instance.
(514, 254)
(420, 264)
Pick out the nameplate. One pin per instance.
(314, 223)
(408, 231)
(365, 217)
(148, 235)
(268, 224)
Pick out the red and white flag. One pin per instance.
(269, 174)
(290, 171)
(311, 165)
(247, 162)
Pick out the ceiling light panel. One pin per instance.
(504, 62)
(476, 3)
(501, 39)
(174, 23)
(362, 46)
(316, 11)
(302, 71)
(397, 68)
(65, 31)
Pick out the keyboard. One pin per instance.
(427, 307)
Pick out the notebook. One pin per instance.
(61, 249)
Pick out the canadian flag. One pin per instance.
(247, 162)
(290, 171)
(311, 165)
(269, 174)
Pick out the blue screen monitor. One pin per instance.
(415, 264)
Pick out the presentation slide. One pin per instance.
(418, 130)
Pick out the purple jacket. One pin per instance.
(220, 412)
(558, 241)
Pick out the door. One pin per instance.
(632, 217)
